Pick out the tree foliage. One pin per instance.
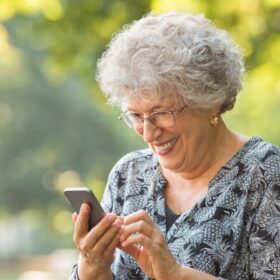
(55, 128)
(53, 134)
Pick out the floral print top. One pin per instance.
(233, 233)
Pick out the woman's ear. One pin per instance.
(215, 111)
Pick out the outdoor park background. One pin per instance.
(56, 130)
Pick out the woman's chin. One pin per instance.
(172, 164)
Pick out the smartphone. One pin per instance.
(77, 196)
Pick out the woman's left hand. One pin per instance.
(153, 255)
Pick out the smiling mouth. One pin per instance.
(166, 145)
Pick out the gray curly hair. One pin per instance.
(172, 54)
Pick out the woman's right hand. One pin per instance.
(96, 246)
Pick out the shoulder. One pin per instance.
(259, 149)
(137, 159)
(261, 165)
(138, 163)
(128, 181)
(256, 167)
(262, 154)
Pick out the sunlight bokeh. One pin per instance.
(56, 129)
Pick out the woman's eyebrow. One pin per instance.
(155, 108)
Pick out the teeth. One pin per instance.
(167, 145)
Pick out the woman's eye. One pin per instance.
(138, 116)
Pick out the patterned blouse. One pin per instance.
(233, 233)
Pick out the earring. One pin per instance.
(214, 121)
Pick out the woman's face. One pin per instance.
(182, 147)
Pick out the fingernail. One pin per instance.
(84, 207)
(121, 220)
(118, 223)
(112, 217)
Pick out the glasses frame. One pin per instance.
(150, 118)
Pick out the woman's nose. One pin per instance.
(150, 132)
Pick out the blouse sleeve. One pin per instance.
(264, 239)
(112, 199)
(74, 273)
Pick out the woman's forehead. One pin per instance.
(149, 104)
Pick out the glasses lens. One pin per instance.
(163, 119)
(159, 119)
(132, 121)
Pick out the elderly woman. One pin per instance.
(202, 202)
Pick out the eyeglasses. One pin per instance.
(159, 119)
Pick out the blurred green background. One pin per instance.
(56, 129)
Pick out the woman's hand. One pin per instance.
(153, 255)
(96, 246)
